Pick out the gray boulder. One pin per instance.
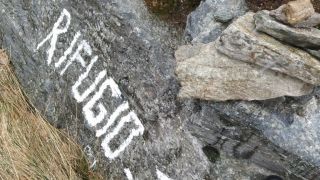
(181, 139)
(103, 72)
(206, 23)
(306, 38)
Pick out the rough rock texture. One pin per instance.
(4, 60)
(138, 53)
(227, 127)
(290, 123)
(210, 75)
(312, 21)
(133, 49)
(305, 38)
(263, 50)
(314, 53)
(206, 23)
(298, 11)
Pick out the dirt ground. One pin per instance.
(257, 5)
(176, 11)
(173, 11)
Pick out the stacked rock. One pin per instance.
(293, 23)
(299, 13)
(259, 56)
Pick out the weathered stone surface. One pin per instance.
(291, 123)
(137, 53)
(225, 127)
(263, 50)
(312, 21)
(206, 23)
(298, 11)
(210, 75)
(300, 37)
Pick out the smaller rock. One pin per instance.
(4, 59)
(207, 22)
(298, 11)
(300, 37)
(312, 21)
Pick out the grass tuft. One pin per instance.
(30, 148)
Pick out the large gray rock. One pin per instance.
(137, 53)
(206, 23)
(290, 123)
(306, 38)
(137, 56)
(266, 52)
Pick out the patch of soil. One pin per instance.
(173, 11)
(256, 5)
(176, 11)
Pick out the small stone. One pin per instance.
(312, 21)
(298, 11)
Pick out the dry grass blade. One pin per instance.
(30, 148)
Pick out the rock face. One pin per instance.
(168, 138)
(96, 69)
(263, 69)
(305, 38)
(207, 22)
